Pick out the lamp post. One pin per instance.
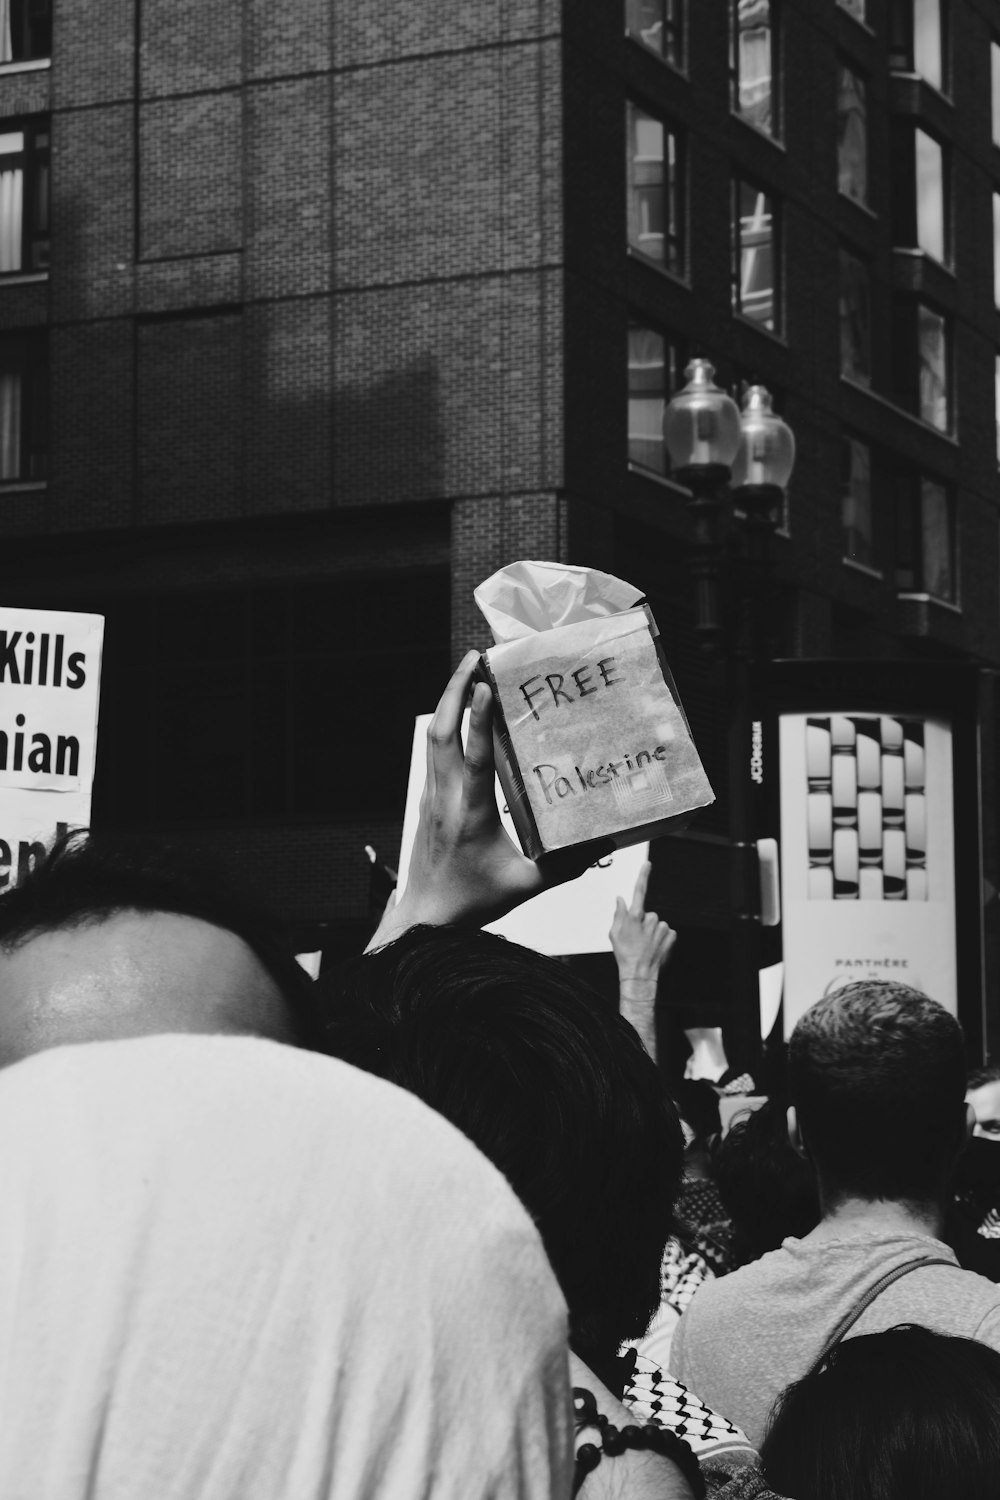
(715, 447)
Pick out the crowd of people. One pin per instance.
(438, 1225)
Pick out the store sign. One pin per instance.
(867, 854)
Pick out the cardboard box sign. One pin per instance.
(591, 740)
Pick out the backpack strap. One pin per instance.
(849, 1319)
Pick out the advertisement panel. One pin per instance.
(868, 774)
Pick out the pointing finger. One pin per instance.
(639, 894)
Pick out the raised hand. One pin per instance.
(464, 867)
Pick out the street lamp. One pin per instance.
(712, 445)
(715, 447)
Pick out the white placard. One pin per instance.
(50, 673)
(571, 918)
(892, 916)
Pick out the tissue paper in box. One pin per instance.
(592, 743)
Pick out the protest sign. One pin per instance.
(592, 744)
(50, 672)
(570, 918)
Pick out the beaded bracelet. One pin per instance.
(616, 1440)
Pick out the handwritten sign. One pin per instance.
(570, 918)
(50, 672)
(600, 739)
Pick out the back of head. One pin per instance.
(876, 1072)
(554, 1088)
(902, 1415)
(138, 918)
(188, 1255)
(768, 1190)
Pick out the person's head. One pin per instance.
(876, 1076)
(767, 1188)
(982, 1092)
(901, 1415)
(550, 1084)
(105, 940)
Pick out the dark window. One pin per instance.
(24, 406)
(25, 30)
(24, 195)
(284, 702)
(857, 519)
(852, 134)
(655, 190)
(658, 25)
(755, 255)
(925, 538)
(752, 62)
(995, 90)
(654, 366)
(855, 319)
(922, 362)
(917, 38)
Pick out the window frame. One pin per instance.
(873, 563)
(773, 130)
(672, 365)
(739, 181)
(21, 10)
(862, 378)
(845, 66)
(24, 355)
(672, 187)
(33, 160)
(902, 41)
(910, 491)
(673, 33)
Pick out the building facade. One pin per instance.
(312, 316)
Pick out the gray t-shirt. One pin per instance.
(748, 1335)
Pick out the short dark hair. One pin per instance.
(84, 878)
(979, 1077)
(766, 1188)
(551, 1084)
(903, 1415)
(876, 1072)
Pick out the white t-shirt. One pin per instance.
(231, 1270)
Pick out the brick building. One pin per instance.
(312, 315)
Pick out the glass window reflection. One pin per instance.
(995, 80)
(755, 262)
(852, 135)
(937, 542)
(856, 503)
(655, 228)
(855, 319)
(931, 213)
(658, 25)
(927, 54)
(647, 387)
(932, 339)
(751, 43)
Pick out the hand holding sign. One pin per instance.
(464, 866)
